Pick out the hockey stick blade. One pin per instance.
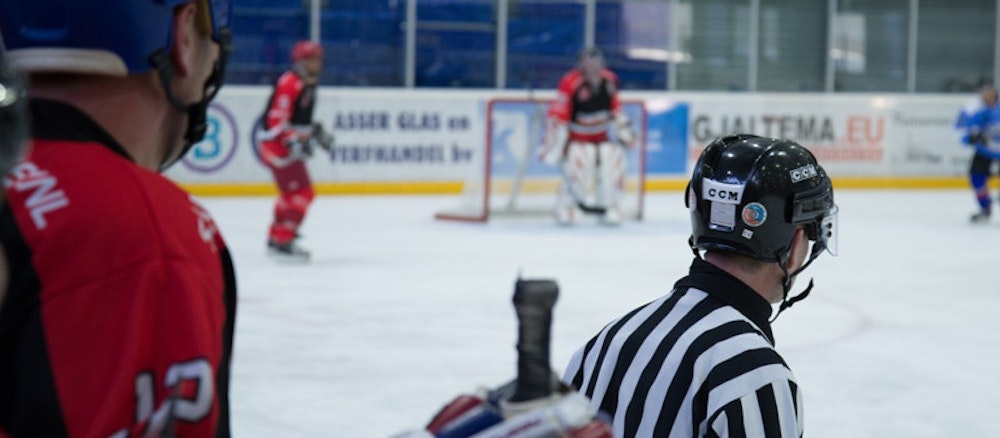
(590, 209)
(533, 302)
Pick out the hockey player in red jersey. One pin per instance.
(576, 138)
(289, 133)
(118, 315)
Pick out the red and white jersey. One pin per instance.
(289, 112)
(122, 294)
(587, 111)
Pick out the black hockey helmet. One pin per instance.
(13, 116)
(748, 194)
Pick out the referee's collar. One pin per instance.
(730, 290)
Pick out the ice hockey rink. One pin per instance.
(397, 312)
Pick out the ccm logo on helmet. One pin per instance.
(803, 173)
(721, 192)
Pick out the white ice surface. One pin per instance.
(397, 313)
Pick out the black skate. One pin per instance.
(287, 252)
(980, 217)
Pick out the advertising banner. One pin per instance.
(396, 136)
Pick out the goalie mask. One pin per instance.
(749, 194)
(590, 62)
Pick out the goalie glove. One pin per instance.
(623, 130)
(554, 143)
(566, 413)
(321, 137)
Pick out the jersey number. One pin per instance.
(196, 372)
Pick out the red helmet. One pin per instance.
(306, 50)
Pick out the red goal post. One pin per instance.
(507, 178)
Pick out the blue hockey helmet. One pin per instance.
(115, 37)
(112, 37)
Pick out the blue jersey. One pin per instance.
(977, 116)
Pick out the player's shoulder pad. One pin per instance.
(609, 75)
(571, 80)
(289, 79)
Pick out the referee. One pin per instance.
(700, 361)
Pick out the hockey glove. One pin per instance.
(490, 414)
(321, 137)
(623, 130)
(554, 143)
(976, 138)
(298, 149)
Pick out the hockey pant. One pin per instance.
(601, 166)
(296, 194)
(979, 175)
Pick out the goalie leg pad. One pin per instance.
(578, 172)
(611, 174)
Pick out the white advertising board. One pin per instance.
(398, 136)
(863, 135)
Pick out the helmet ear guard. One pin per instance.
(815, 210)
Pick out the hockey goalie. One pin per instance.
(577, 139)
(535, 404)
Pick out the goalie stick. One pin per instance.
(583, 206)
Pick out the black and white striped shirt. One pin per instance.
(698, 362)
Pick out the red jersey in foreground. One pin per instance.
(119, 317)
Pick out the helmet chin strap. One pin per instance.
(786, 281)
(197, 112)
(693, 249)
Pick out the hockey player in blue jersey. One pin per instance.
(979, 125)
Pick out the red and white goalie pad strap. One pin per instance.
(623, 130)
(554, 143)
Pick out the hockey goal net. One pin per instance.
(507, 179)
